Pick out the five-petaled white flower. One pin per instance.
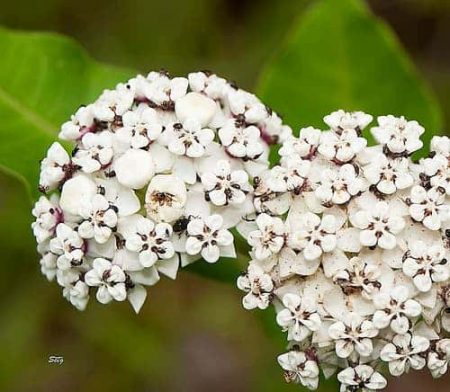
(314, 235)
(241, 142)
(95, 151)
(140, 128)
(305, 146)
(341, 147)
(289, 178)
(152, 241)
(299, 317)
(389, 175)
(69, 246)
(339, 186)
(299, 369)
(398, 134)
(359, 276)
(379, 226)
(404, 352)
(188, 139)
(341, 120)
(361, 378)
(396, 309)
(429, 207)
(224, 186)
(426, 264)
(353, 333)
(258, 285)
(100, 218)
(269, 238)
(110, 280)
(207, 237)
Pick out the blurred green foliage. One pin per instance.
(192, 334)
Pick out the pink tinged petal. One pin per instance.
(440, 273)
(377, 381)
(337, 330)
(396, 224)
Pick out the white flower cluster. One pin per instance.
(160, 172)
(351, 244)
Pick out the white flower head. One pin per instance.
(305, 146)
(339, 186)
(110, 280)
(95, 152)
(439, 358)
(299, 317)
(269, 238)
(395, 310)
(398, 134)
(207, 237)
(292, 177)
(48, 215)
(379, 226)
(342, 147)
(406, 351)
(69, 246)
(225, 186)
(429, 207)
(150, 240)
(140, 128)
(354, 333)
(340, 120)
(299, 369)
(55, 168)
(361, 377)
(426, 265)
(314, 235)
(259, 287)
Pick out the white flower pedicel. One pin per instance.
(351, 244)
(160, 172)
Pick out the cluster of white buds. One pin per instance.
(160, 172)
(351, 245)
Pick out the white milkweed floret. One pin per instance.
(161, 170)
(351, 244)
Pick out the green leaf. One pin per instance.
(44, 78)
(340, 56)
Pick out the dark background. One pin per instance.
(192, 334)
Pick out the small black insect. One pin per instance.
(181, 224)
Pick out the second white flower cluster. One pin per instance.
(351, 245)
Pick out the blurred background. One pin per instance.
(192, 335)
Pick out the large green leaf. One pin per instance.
(341, 56)
(43, 79)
